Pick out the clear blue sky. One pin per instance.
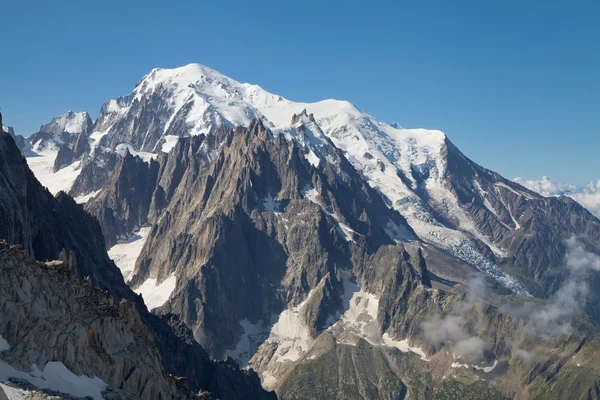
(515, 84)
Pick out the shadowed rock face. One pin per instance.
(50, 228)
(45, 225)
(95, 172)
(124, 203)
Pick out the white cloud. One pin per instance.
(553, 319)
(544, 321)
(578, 258)
(588, 196)
(454, 330)
(546, 187)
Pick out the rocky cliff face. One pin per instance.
(50, 228)
(123, 205)
(95, 172)
(521, 231)
(48, 315)
(45, 225)
(292, 224)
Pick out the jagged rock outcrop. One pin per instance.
(64, 157)
(124, 203)
(45, 225)
(48, 315)
(96, 171)
(21, 142)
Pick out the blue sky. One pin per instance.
(515, 84)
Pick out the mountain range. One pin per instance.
(335, 255)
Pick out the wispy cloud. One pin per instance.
(544, 321)
(546, 187)
(454, 330)
(588, 196)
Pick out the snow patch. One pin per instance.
(505, 186)
(403, 346)
(55, 376)
(271, 204)
(155, 295)
(94, 139)
(42, 166)
(291, 334)
(359, 317)
(476, 367)
(170, 141)
(253, 336)
(14, 393)
(313, 159)
(359, 321)
(310, 193)
(124, 147)
(126, 252)
(84, 198)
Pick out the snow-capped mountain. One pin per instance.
(409, 166)
(287, 233)
(61, 130)
(282, 263)
(448, 200)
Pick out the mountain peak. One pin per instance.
(191, 74)
(70, 122)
